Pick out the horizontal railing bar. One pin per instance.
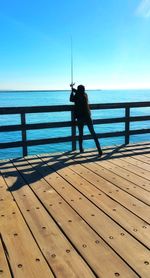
(139, 131)
(69, 138)
(68, 124)
(36, 109)
(62, 108)
(139, 118)
(36, 142)
(121, 119)
(120, 105)
(8, 145)
(35, 126)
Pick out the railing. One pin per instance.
(23, 127)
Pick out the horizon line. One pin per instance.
(63, 90)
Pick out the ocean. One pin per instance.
(41, 98)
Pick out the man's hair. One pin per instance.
(81, 89)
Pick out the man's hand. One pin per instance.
(72, 84)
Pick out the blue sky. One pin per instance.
(111, 43)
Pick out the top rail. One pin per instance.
(62, 108)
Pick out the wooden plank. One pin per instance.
(4, 267)
(126, 177)
(129, 154)
(126, 185)
(122, 197)
(120, 182)
(147, 154)
(119, 151)
(132, 168)
(23, 253)
(59, 253)
(4, 194)
(126, 246)
(132, 149)
(134, 225)
(145, 144)
(142, 158)
(139, 148)
(125, 153)
(136, 162)
(79, 232)
(126, 174)
(139, 160)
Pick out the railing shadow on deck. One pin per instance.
(30, 167)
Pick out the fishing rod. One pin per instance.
(72, 62)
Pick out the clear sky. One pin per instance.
(111, 43)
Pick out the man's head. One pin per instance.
(81, 89)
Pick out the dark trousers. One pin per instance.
(87, 121)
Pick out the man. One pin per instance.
(83, 115)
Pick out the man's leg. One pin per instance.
(91, 129)
(80, 127)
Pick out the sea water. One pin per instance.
(45, 98)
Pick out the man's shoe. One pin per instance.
(100, 152)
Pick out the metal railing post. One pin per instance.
(73, 131)
(24, 134)
(127, 125)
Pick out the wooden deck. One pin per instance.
(70, 215)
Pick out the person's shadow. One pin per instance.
(31, 169)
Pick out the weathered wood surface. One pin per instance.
(4, 268)
(71, 215)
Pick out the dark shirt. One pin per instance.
(82, 109)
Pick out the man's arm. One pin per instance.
(72, 96)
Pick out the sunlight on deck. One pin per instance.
(72, 215)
